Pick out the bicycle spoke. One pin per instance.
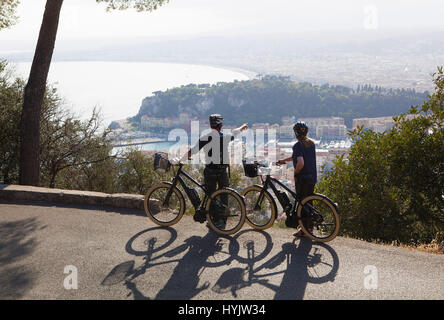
(260, 214)
(320, 218)
(226, 212)
(161, 210)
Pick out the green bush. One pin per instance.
(392, 186)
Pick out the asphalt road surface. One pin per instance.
(62, 252)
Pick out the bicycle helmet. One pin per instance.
(300, 129)
(216, 120)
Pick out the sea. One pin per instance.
(118, 88)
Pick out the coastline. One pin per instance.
(206, 68)
(250, 74)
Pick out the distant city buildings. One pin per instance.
(380, 124)
(328, 128)
(329, 133)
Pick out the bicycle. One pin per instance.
(165, 203)
(262, 209)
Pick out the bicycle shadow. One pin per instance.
(184, 282)
(125, 272)
(201, 252)
(300, 259)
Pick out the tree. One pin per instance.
(7, 13)
(34, 93)
(67, 143)
(11, 101)
(35, 88)
(392, 186)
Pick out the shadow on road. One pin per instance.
(211, 251)
(305, 262)
(16, 244)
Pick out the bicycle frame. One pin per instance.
(178, 179)
(270, 182)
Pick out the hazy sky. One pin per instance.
(86, 20)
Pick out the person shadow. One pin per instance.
(201, 252)
(301, 260)
(184, 282)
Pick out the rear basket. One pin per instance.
(161, 163)
(251, 170)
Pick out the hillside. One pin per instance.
(269, 98)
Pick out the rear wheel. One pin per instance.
(164, 212)
(260, 216)
(225, 212)
(323, 214)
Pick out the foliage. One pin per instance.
(278, 96)
(139, 5)
(74, 154)
(7, 13)
(392, 186)
(30, 134)
(136, 173)
(11, 99)
(66, 142)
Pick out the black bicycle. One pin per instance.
(224, 210)
(262, 209)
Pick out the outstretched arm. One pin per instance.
(237, 131)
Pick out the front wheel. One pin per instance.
(225, 211)
(260, 214)
(161, 210)
(318, 218)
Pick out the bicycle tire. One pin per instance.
(252, 218)
(327, 204)
(239, 211)
(150, 209)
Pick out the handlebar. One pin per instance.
(265, 165)
(178, 163)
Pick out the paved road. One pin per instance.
(119, 255)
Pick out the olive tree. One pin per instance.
(35, 88)
(67, 143)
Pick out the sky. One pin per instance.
(87, 23)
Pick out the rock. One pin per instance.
(114, 125)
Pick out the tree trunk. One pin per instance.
(34, 93)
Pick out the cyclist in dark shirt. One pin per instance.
(215, 145)
(305, 173)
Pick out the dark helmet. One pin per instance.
(216, 120)
(300, 129)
